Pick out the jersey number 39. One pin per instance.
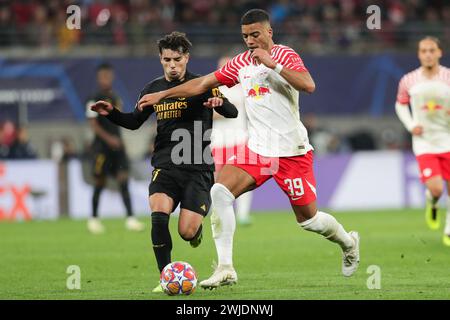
(295, 186)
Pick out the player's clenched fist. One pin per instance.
(213, 102)
(417, 131)
(263, 57)
(102, 107)
(148, 100)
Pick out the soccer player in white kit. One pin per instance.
(230, 136)
(427, 91)
(271, 77)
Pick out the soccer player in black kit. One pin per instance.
(109, 152)
(182, 160)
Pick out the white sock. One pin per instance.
(326, 225)
(243, 204)
(223, 222)
(447, 221)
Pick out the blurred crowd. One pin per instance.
(318, 24)
(14, 142)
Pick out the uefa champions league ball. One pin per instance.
(178, 278)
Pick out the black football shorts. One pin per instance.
(109, 163)
(190, 188)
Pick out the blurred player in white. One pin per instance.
(271, 76)
(427, 91)
(227, 136)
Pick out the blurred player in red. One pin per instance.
(271, 77)
(427, 91)
(228, 136)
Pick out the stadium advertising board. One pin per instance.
(359, 181)
(28, 190)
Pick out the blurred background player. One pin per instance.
(183, 181)
(109, 152)
(228, 135)
(271, 76)
(427, 91)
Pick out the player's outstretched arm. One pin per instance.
(227, 109)
(132, 120)
(188, 89)
(223, 106)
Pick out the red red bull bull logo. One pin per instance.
(432, 106)
(258, 91)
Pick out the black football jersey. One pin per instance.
(179, 120)
(107, 125)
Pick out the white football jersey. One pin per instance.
(228, 132)
(271, 103)
(429, 99)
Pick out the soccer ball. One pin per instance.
(178, 278)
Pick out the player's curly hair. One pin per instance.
(176, 41)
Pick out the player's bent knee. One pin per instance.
(123, 180)
(187, 233)
(221, 195)
(436, 191)
(161, 202)
(100, 182)
(235, 179)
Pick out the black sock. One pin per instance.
(124, 191)
(162, 242)
(95, 198)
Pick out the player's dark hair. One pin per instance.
(434, 39)
(104, 66)
(176, 41)
(254, 16)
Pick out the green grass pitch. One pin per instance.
(274, 259)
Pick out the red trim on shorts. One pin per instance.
(432, 165)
